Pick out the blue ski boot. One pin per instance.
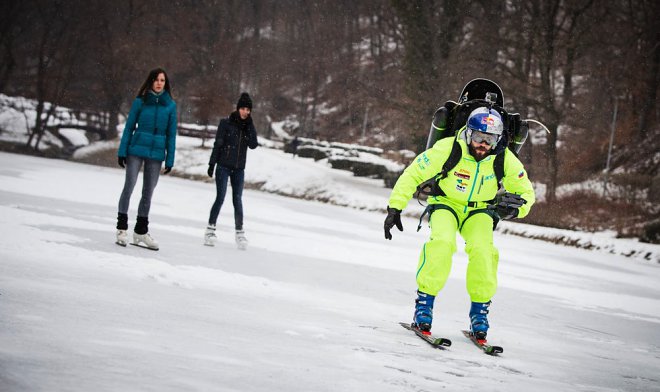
(479, 319)
(423, 311)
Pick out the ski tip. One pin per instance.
(427, 336)
(483, 344)
(443, 342)
(493, 350)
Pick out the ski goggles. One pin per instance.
(482, 137)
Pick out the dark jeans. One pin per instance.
(149, 181)
(236, 177)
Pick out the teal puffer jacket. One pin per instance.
(150, 130)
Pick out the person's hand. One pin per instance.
(167, 169)
(121, 161)
(393, 218)
(507, 205)
(211, 170)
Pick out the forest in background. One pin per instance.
(373, 72)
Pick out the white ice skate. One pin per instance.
(145, 239)
(241, 241)
(122, 238)
(209, 236)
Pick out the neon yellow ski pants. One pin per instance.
(436, 255)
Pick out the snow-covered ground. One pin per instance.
(312, 305)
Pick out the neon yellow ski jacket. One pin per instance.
(468, 182)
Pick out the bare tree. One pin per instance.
(52, 61)
(431, 33)
(378, 65)
(644, 17)
(10, 31)
(547, 64)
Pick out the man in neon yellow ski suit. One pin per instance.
(467, 191)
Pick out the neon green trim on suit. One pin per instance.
(470, 181)
(422, 261)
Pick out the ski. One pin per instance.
(428, 337)
(487, 348)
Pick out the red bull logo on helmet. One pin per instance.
(488, 121)
(484, 120)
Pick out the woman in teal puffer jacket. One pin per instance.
(149, 138)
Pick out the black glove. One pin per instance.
(210, 171)
(167, 169)
(507, 205)
(393, 218)
(121, 161)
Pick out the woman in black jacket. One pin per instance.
(235, 134)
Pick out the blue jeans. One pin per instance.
(149, 181)
(236, 176)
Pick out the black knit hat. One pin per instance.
(244, 101)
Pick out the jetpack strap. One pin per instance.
(452, 160)
(433, 207)
(498, 166)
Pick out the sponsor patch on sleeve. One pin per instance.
(521, 174)
(423, 161)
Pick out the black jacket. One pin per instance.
(232, 139)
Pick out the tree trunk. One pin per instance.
(553, 162)
(652, 79)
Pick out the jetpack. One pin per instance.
(452, 116)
